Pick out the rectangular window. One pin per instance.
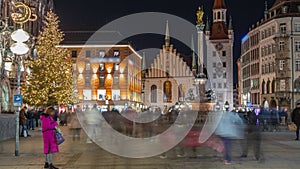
(282, 28)
(297, 27)
(101, 94)
(224, 64)
(214, 85)
(224, 75)
(297, 65)
(281, 64)
(214, 64)
(225, 85)
(87, 94)
(88, 53)
(116, 67)
(102, 81)
(102, 53)
(116, 53)
(74, 67)
(281, 45)
(297, 46)
(219, 85)
(87, 81)
(224, 53)
(74, 53)
(102, 66)
(116, 94)
(282, 85)
(214, 75)
(87, 66)
(116, 80)
(214, 53)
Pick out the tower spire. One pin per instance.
(207, 28)
(219, 4)
(167, 37)
(266, 8)
(230, 23)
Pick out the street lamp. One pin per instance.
(20, 48)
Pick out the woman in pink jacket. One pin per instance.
(48, 129)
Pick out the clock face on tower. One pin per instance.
(219, 46)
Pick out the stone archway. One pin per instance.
(273, 104)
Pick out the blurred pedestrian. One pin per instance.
(296, 119)
(48, 129)
(75, 126)
(252, 137)
(93, 119)
(63, 118)
(230, 127)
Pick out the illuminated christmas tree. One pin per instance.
(50, 79)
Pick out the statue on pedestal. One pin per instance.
(200, 14)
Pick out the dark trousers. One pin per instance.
(227, 145)
(253, 139)
(297, 131)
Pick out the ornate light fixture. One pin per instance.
(20, 48)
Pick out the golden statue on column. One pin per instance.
(200, 14)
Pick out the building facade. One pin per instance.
(270, 57)
(219, 54)
(168, 78)
(106, 75)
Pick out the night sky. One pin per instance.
(92, 14)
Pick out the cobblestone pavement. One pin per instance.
(280, 151)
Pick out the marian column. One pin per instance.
(200, 77)
(200, 28)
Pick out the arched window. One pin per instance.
(268, 86)
(168, 91)
(273, 86)
(153, 94)
(219, 15)
(263, 85)
(181, 93)
(297, 85)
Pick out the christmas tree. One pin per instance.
(50, 78)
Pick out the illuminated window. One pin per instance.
(87, 66)
(167, 92)
(102, 66)
(116, 67)
(102, 53)
(116, 53)
(281, 64)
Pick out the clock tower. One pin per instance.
(219, 53)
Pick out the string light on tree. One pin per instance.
(50, 81)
